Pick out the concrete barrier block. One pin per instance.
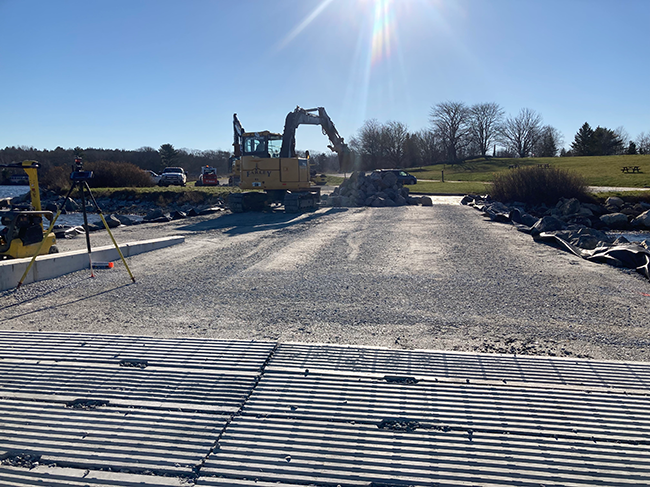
(56, 265)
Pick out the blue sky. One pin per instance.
(124, 74)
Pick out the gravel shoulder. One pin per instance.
(441, 277)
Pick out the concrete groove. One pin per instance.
(213, 413)
(434, 403)
(315, 418)
(329, 452)
(215, 446)
(155, 387)
(183, 352)
(464, 366)
(160, 416)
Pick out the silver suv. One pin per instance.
(173, 175)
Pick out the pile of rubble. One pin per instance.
(379, 188)
(580, 228)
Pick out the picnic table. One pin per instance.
(630, 168)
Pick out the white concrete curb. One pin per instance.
(55, 265)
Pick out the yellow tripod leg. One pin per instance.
(117, 247)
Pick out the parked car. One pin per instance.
(403, 176)
(19, 179)
(155, 178)
(173, 176)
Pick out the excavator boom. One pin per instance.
(312, 116)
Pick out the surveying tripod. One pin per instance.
(79, 179)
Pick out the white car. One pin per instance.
(173, 175)
(155, 178)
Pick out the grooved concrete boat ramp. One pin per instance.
(110, 410)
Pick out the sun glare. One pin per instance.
(304, 24)
(383, 30)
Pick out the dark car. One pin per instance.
(402, 176)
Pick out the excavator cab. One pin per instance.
(262, 145)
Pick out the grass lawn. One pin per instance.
(455, 187)
(597, 171)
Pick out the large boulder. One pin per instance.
(389, 179)
(125, 220)
(614, 202)
(522, 218)
(568, 207)
(426, 201)
(154, 214)
(614, 220)
(642, 221)
(112, 221)
(71, 205)
(585, 238)
(547, 224)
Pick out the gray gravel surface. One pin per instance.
(440, 277)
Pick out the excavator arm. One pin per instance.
(313, 116)
(238, 131)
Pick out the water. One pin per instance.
(68, 219)
(11, 191)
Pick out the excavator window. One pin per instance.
(255, 146)
(262, 146)
(274, 147)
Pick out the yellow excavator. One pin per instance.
(22, 232)
(266, 163)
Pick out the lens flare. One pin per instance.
(383, 30)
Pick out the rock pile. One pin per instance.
(378, 189)
(117, 210)
(579, 227)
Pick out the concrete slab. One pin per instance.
(73, 477)
(216, 413)
(56, 265)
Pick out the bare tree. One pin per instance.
(395, 137)
(622, 134)
(484, 124)
(450, 123)
(369, 144)
(643, 143)
(429, 147)
(521, 133)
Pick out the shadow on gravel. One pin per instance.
(19, 301)
(242, 223)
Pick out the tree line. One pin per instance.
(459, 132)
(144, 158)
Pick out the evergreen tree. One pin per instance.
(631, 149)
(583, 142)
(168, 155)
(606, 142)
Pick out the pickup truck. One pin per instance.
(173, 176)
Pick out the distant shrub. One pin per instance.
(56, 179)
(117, 175)
(536, 185)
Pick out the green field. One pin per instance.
(470, 177)
(597, 171)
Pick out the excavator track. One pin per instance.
(236, 202)
(303, 201)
